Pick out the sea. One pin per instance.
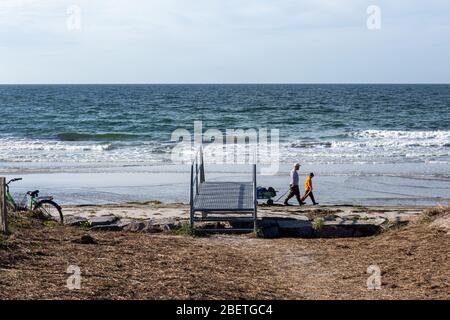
(381, 144)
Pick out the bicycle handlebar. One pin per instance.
(14, 180)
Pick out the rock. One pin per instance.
(107, 227)
(349, 228)
(269, 232)
(150, 228)
(86, 239)
(295, 228)
(267, 222)
(237, 224)
(145, 226)
(74, 220)
(103, 220)
(135, 226)
(168, 227)
(442, 223)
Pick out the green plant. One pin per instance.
(185, 229)
(259, 232)
(85, 224)
(317, 224)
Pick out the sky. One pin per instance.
(224, 41)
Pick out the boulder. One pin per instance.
(349, 228)
(102, 220)
(107, 227)
(85, 239)
(135, 226)
(74, 220)
(295, 228)
(145, 226)
(269, 232)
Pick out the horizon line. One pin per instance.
(227, 83)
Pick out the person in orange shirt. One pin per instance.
(309, 189)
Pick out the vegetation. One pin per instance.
(185, 229)
(317, 223)
(429, 215)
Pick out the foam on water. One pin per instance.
(112, 124)
(366, 146)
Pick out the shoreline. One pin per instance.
(364, 184)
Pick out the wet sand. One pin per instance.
(413, 184)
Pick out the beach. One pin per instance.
(380, 155)
(97, 144)
(335, 184)
(412, 258)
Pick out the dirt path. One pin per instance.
(414, 262)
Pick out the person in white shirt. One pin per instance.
(293, 186)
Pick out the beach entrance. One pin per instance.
(233, 202)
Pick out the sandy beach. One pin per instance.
(413, 259)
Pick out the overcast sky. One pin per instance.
(223, 41)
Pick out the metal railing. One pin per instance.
(197, 177)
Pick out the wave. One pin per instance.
(364, 146)
(376, 146)
(441, 135)
(74, 136)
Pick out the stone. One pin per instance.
(295, 228)
(150, 228)
(74, 220)
(168, 227)
(86, 239)
(269, 232)
(267, 222)
(145, 226)
(103, 220)
(350, 228)
(107, 227)
(135, 226)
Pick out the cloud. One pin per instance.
(223, 41)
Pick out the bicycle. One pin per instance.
(43, 205)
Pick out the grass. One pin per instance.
(51, 224)
(429, 215)
(186, 230)
(36, 245)
(18, 222)
(85, 224)
(3, 242)
(317, 223)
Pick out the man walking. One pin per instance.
(293, 186)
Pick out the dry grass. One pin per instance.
(431, 214)
(414, 262)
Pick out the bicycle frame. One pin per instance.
(16, 207)
(10, 200)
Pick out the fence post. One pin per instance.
(3, 213)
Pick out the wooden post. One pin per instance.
(3, 213)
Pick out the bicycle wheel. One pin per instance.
(50, 209)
